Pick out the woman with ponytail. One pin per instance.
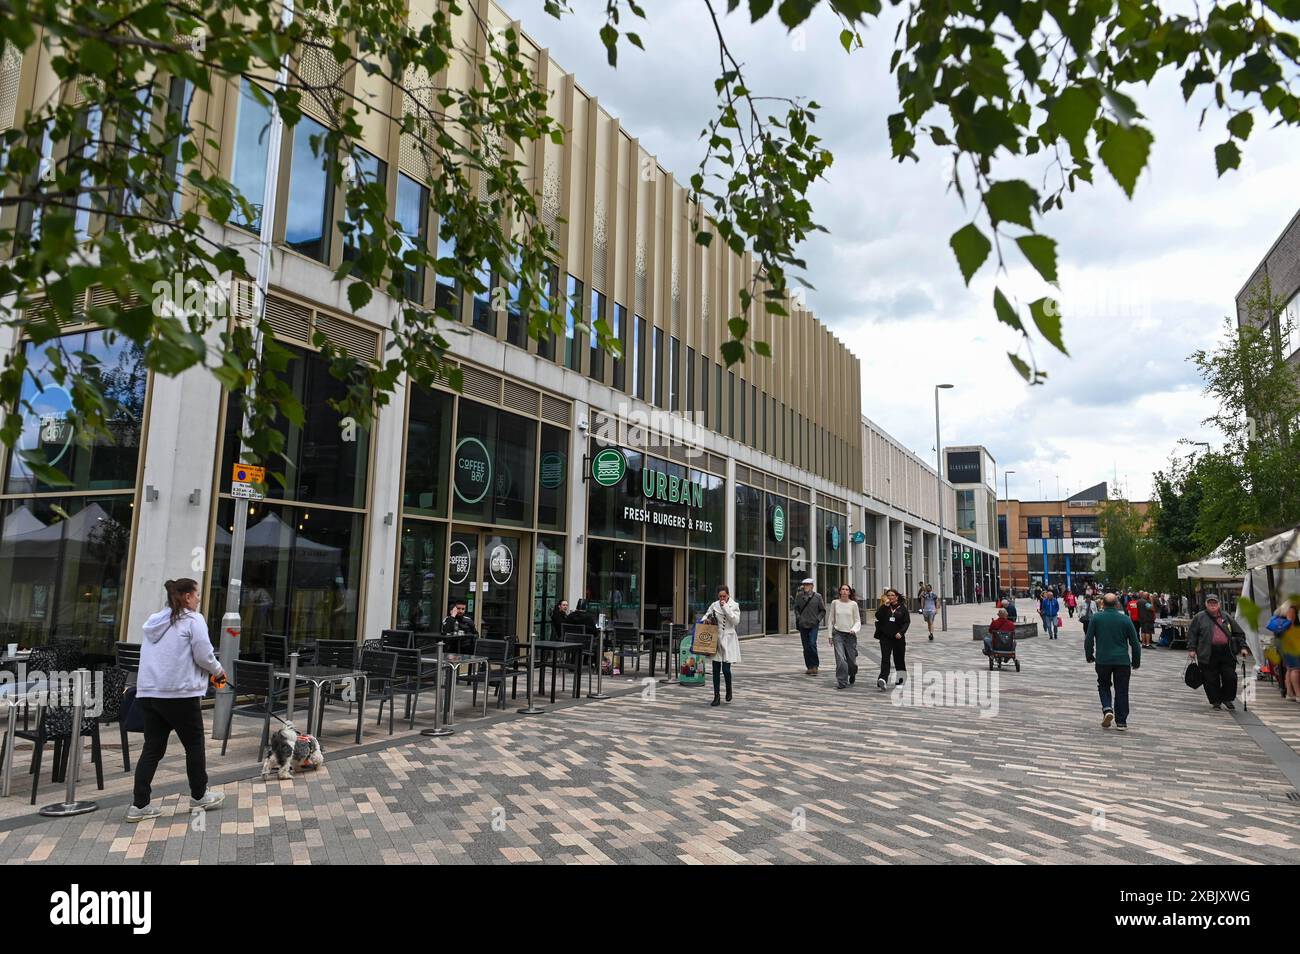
(176, 659)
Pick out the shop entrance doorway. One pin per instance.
(775, 601)
(663, 566)
(484, 569)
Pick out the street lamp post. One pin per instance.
(938, 484)
(1006, 495)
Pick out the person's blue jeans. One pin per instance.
(809, 638)
(1118, 675)
(1049, 626)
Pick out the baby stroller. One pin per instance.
(1001, 648)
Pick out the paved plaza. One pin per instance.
(791, 771)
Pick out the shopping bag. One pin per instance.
(1192, 675)
(1059, 622)
(705, 642)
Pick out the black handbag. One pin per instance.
(1192, 675)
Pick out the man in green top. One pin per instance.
(1113, 635)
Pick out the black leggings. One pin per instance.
(725, 669)
(162, 717)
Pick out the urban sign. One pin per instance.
(552, 470)
(778, 523)
(473, 476)
(669, 488)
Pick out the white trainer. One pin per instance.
(134, 814)
(208, 802)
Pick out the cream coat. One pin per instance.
(728, 616)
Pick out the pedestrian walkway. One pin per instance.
(791, 771)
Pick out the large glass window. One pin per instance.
(776, 526)
(248, 168)
(368, 170)
(324, 462)
(63, 568)
(428, 448)
(596, 359)
(674, 374)
(1056, 527)
(690, 381)
(710, 526)
(180, 94)
(516, 327)
(553, 478)
(412, 217)
(663, 532)
(446, 291)
(1002, 531)
(704, 574)
(1034, 528)
(749, 519)
(605, 505)
(485, 316)
(420, 575)
(105, 461)
(1082, 527)
(965, 511)
(614, 580)
(572, 321)
(302, 571)
(657, 365)
(620, 332)
(548, 585)
(551, 279)
(801, 534)
(638, 358)
(749, 593)
(492, 467)
(308, 217)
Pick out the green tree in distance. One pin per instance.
(88, 178)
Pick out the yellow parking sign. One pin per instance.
(248, 474)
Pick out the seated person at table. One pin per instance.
(458, 624)
(559, 616)
(584, 617)
(1000, 624)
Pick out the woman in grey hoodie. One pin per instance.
(176, 659)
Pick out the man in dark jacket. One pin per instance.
(809, 615)
(1110, 637)
(559, 616)
(458, 626)
(1215, 641)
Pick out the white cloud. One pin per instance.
(1143, 282)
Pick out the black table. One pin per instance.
(555, 647)
(318, 676)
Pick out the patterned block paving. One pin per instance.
(792, 771)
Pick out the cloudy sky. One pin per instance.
(1144, 283)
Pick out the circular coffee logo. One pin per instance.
(778, 523)
(473, 470)
(501, 564)
(458, 563)
(608, 467)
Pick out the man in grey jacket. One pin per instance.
(1215, 641)
(809, 615)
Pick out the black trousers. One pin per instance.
(723, 668)
(162, 717)
(1220, 676)
(898, 649)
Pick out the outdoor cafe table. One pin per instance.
(554, 648)
(319, 676)
(452, 662)
(1179, 626)
(13, 695)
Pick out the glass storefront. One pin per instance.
(833, 562)
(64, 549)
(302, 557)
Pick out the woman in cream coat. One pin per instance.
(725, 613)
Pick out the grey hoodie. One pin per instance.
(175, 658)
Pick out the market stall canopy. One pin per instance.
(1208, 568)
(1281, 548)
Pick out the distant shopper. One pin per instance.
(1049, 608)
(892, 621)
(1108, 643)
(809, 617)
(1009, 604)
(979, 594)
(725, 614)
(846, 620)
(1087, 611)
(1146, 618)
(559, 616)
(1071, 601)
(1001, 623)
(929, 607)
(176, 660)
(1215, 641)
(1131, 605)
(1288, 647)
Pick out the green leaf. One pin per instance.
(1021, 367)
(1241, 124)
(846, 40)
(1227, 156)
(1011, 201)
(96, 58)
(359, 293)
(1041, 253)
(1006, 314)
(971, 248)
(1046, 313)
(1124, 151)
(1073, 114)
(732, 351)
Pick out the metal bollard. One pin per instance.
(531, 709)
(224, 698)
(438, 729)
(600, 665)
(674, 662)
(293, 691)
(70, 805)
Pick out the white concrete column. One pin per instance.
(730, 569)
(932, 559)
(882, 556)
(379, 585)
(897, 567)
(575, 542)
(172, 532)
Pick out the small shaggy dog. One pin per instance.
(290, 751)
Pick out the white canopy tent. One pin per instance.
(1210, 568)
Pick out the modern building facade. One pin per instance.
(638, 484)
(1280, 269)
(1056, 543)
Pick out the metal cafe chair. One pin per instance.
(627, 642)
